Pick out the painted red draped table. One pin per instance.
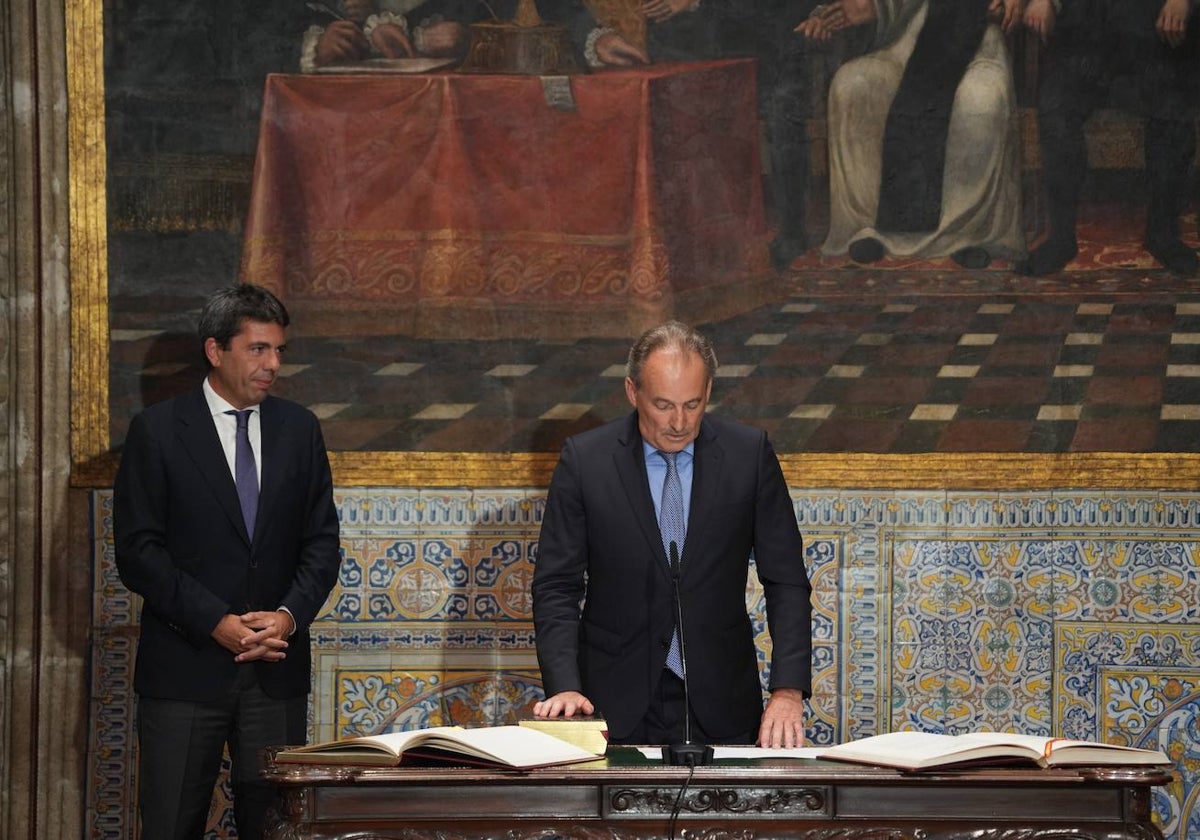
(462, 205)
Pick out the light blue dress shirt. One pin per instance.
(656, 474)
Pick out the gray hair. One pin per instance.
(229, 307)
(671, 335)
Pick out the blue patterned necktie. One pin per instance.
(673, 529)
(245, 471)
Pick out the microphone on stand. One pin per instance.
(687, 754)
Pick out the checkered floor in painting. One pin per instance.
(848, 359)
(898, 357)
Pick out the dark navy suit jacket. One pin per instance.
(181, 544)
(600, 545)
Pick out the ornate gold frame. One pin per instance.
(94, 463)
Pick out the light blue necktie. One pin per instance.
(245, 471)
(673, 529)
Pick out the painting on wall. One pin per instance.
(468, 255)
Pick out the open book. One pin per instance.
(490, 746)
(925, 750)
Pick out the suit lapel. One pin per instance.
(198, 434)
(706, 482)
(631, 467)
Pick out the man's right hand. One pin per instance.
(564, 704)
(340, 42)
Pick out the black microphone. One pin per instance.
(687, 754)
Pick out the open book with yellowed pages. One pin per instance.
(516, 747)
(926, 750)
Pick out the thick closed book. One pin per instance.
(585, 732)
(926, 750)
(491, 746)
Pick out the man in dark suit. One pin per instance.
(605, 542)
(231, 576)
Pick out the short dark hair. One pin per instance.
(229, 307)
(673, 335)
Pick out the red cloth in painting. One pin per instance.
(468, 189)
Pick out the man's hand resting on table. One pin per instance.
(783, 719)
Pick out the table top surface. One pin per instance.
(626, 764)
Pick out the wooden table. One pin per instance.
(455, 205)
(628, 796)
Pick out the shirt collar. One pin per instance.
(652, 456)
(216, 403)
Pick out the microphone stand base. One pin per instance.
(687, 755)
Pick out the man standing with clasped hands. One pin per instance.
(620, 496)
(225, 525)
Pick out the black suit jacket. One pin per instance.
(600, 544)
(181, 544)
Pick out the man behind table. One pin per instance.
(602, 544)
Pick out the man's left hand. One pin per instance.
(783, 719)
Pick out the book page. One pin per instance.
(508, 746)
(516, 746)
(767, 752)
(916, 750)
(397, 742)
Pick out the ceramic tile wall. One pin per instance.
(1068, 613)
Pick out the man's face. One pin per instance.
(671, 400)
(244, 373)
